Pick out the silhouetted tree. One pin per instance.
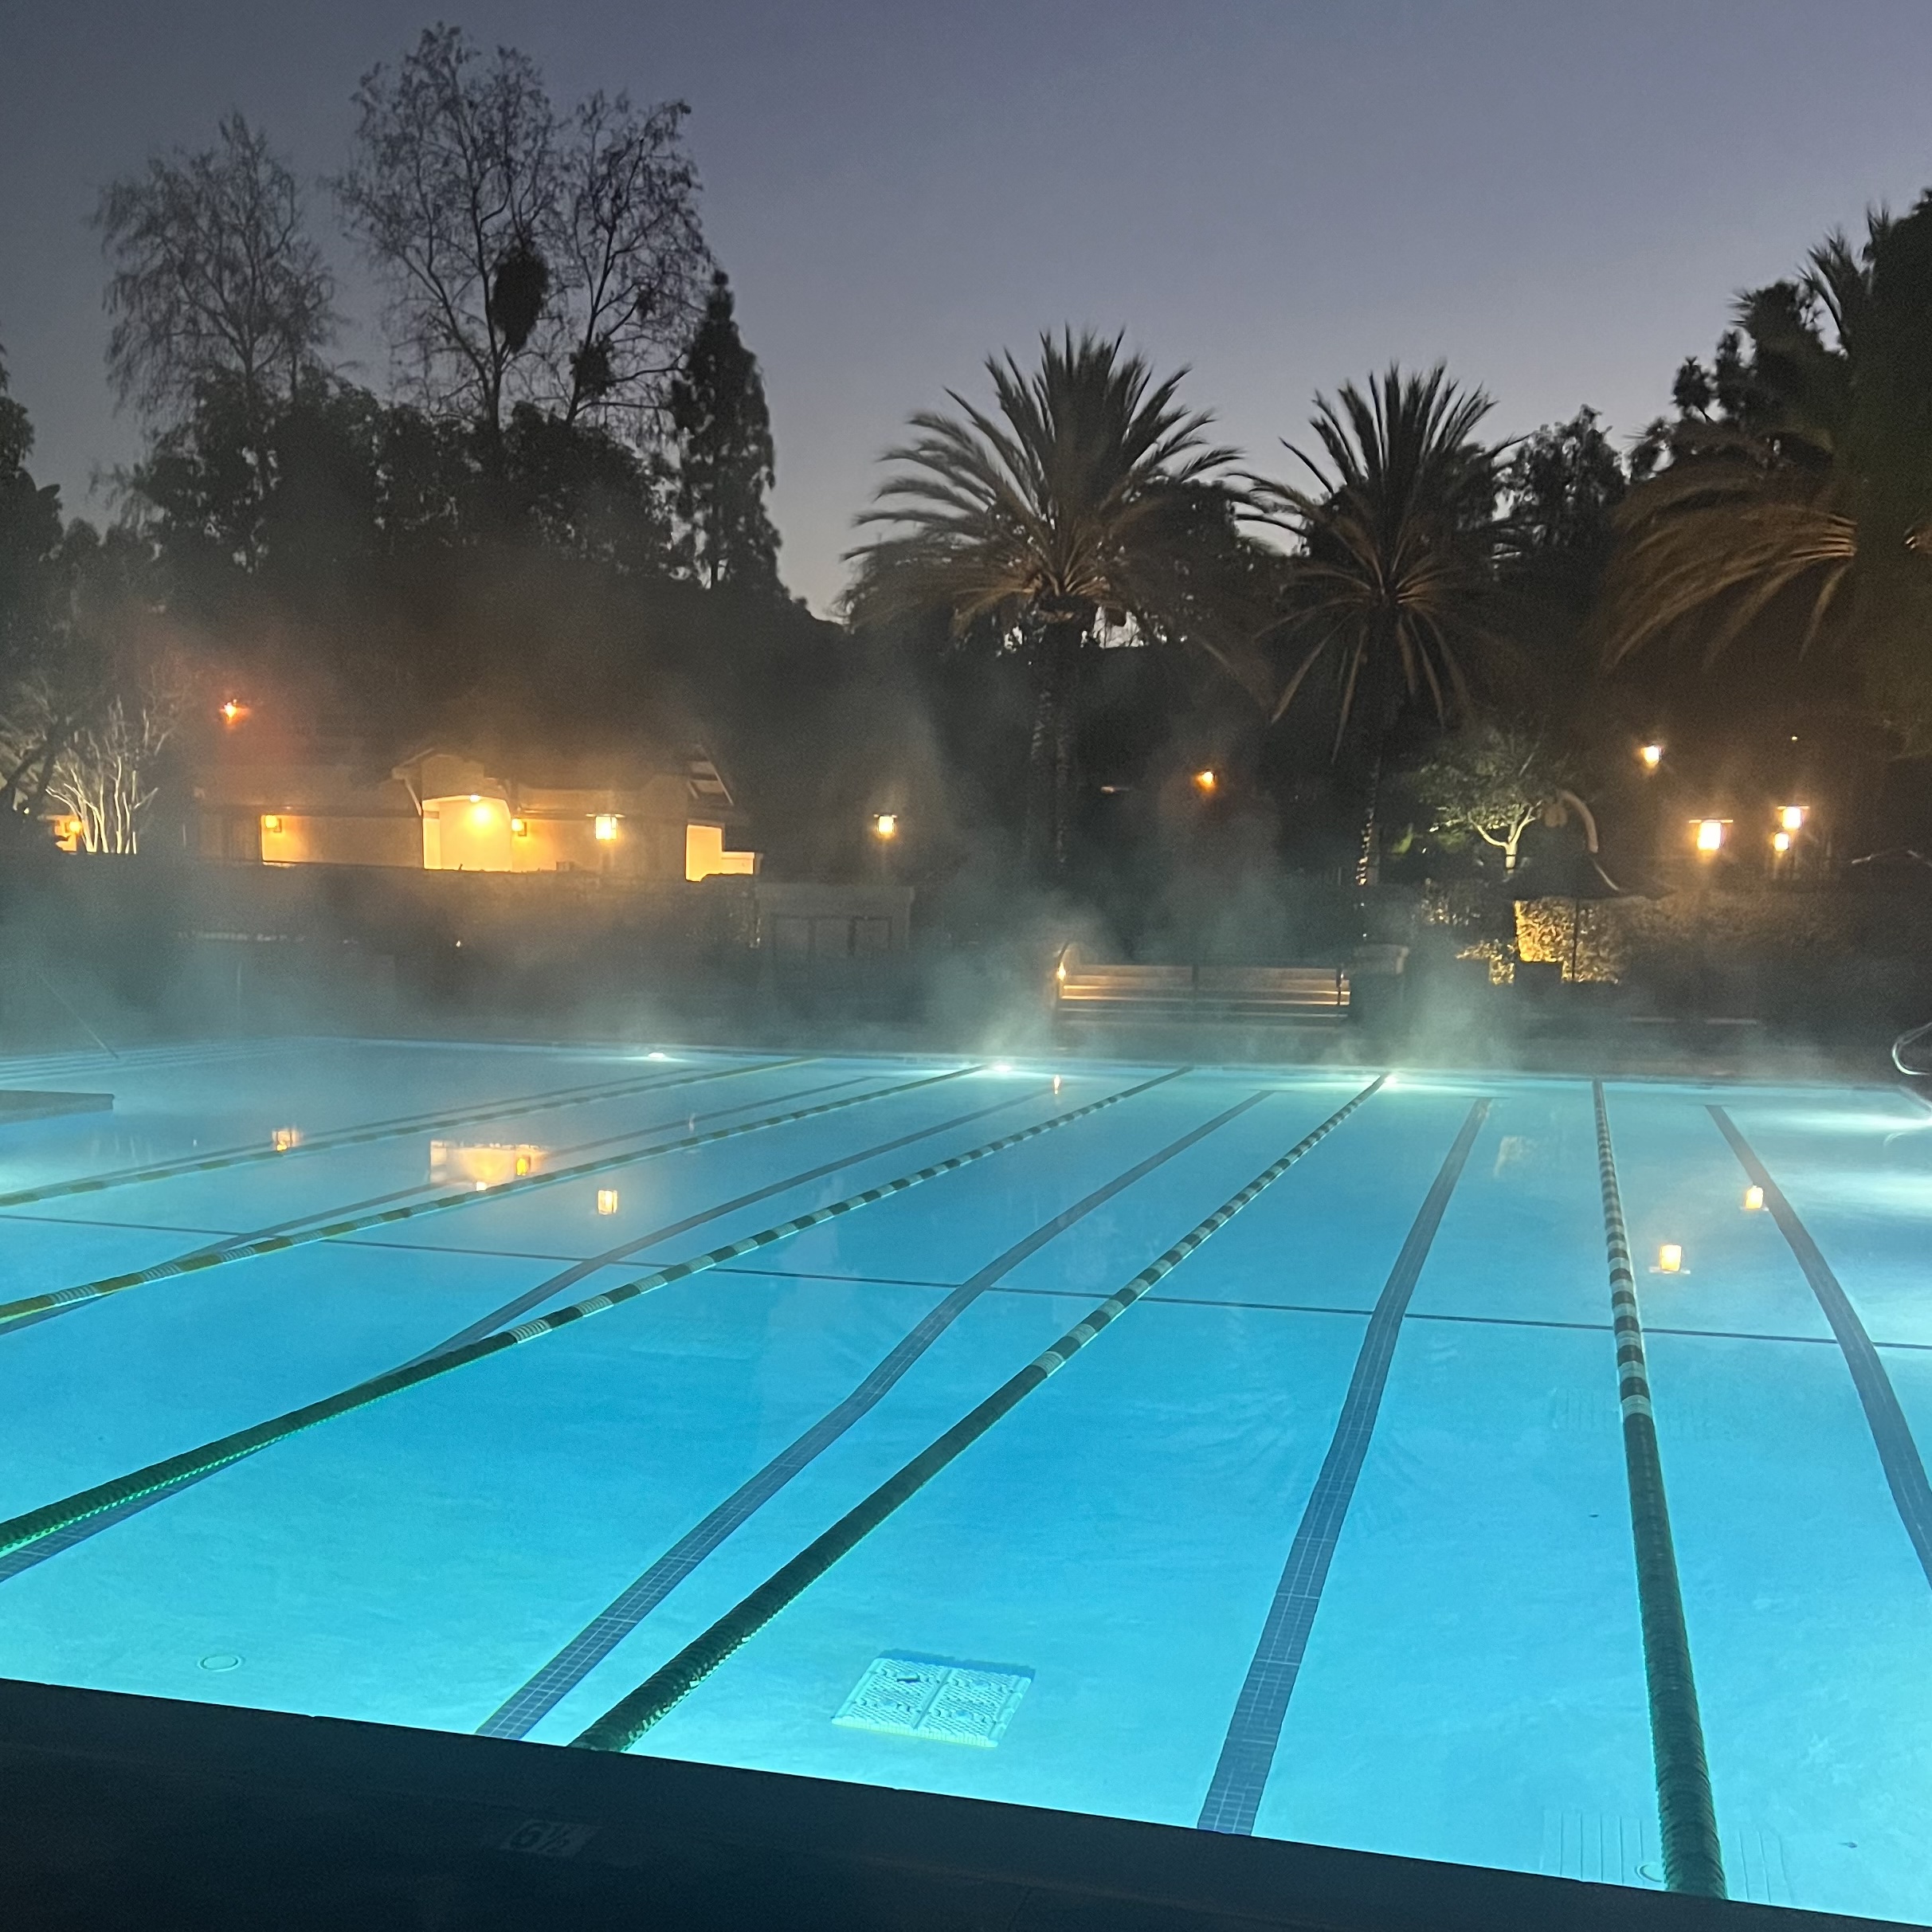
(1394, 580)
(724, 454)
(529, 259)
(1061, 511)
(1796, 504)
(216, 285)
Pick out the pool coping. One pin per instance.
(200, 1814)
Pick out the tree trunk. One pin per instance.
(1052, 755)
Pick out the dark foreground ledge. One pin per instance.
(133, 1812)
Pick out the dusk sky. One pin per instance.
(1559, 198)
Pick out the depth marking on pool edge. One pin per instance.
(627, 1720)
(1687, 1816)
(529, 1704)
(176, 1472)
(1254, 1731)
(1905, 1469)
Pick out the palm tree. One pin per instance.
(1396, 538)
(1075, 501)
(1797, 501)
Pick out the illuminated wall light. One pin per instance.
(234, 711)
(1669, 1259)
(1205, 782)
(522, 1165)
(605, 826)
(606, 1201)
(1791, 818)
(272, 824)
(1781, 841)
(1651, 755)
(1753, 1199)
(886, 825)
(1710, 834)
(520, 827)
(482, 814)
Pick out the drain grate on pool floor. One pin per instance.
(939, 1698)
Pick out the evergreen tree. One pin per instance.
(724, 454)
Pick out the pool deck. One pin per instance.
(127, 1811)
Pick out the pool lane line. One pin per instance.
(550, 1100)
(1686, 1815)
(611, 1257)
(1891, 1434)
(627, 1720)
(540, 1694)
(1247, 1757)
(13, 1324)
(466, 1196)
(36, 1553)
(176, 1471)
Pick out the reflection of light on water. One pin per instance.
(1669, 1259)
(1753, 1199)
(654, 1056)
(283, 1139)
(1056, 1086)
(1002, 1066)
(482, 1165)
(606, 1201)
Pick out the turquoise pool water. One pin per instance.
(1327, 1537)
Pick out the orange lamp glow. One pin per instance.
(1651, 755)
(886, 825)
(1710, 835)
(605, 827)
(1791, 818)
(270, 823)
(1781, 841)
(234, 711)
(1205, 782)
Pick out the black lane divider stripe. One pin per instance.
(175, 1471)
(549, 1101)
(13, 1324)
(538, 1696)
(12, 1564)
(1254, 1731)
(1905, 1469)
(1686, 1815)
(579, 1270)
(627, 1720)
(468, 1196)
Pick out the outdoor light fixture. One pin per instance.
(886, 825)
(1652, 756)
(1205, 782)
(606, 1201)
(519, 828)
(1753, 1199)
(606, 826)
(234, 711)
(1711, 834)
(1669, 1259)
(1791, 816)
(1781, 841)
(270, 823)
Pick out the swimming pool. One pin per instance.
(566, 1394)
